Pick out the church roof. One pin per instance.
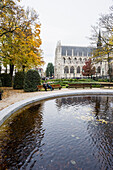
(75, 49)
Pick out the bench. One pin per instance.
(39, 87)
(80, 85)
(54, 86)
(107, 84)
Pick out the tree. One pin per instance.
(104, 41)
(20, 37)
(50, 70)
(9, 11)
(19, 80)
(88, 69)
(32, 79)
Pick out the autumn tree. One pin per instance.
(88, 69)
(19, 37)
(104, 41)
(9, 11)
(50, 70)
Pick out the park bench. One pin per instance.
(106, 84)
(54, 86)
(80, 85)
(40, 87)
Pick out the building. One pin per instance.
(40, 71)
(69, 61)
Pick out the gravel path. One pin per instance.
(14, 96)
(20, 95)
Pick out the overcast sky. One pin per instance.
(66, 20)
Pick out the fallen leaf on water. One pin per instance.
(102, 120)
(73, 162)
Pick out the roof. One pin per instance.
(75, 49)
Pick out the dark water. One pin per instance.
(70, 133)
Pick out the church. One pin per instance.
(69, 61)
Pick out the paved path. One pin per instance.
(21, 96)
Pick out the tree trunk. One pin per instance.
(11, 70)
(0, 69)
(6, 70)
(23, 67)
(109, 69)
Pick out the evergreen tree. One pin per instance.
(32, 79)
(50, 70)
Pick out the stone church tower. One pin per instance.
(69, 61)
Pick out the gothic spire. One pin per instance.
(99, 43)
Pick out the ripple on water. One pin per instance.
(63, 133)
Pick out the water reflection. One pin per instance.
(20, 137)
(64, 133)
(101, 134)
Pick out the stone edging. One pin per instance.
(7, 112)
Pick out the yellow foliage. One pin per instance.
(21, 47)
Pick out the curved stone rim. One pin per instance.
(7, 112)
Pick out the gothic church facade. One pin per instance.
(69, 61)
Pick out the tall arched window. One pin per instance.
(66, 69)
(69, 60)
(72, 69)
(98, 69)
(78, 69)
(64, 60)
(80, 59)
(75, 60)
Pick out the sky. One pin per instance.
(68, 21)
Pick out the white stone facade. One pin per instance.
(69, 61)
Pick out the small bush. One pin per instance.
(96, 85)
(19, 80)
(6, 80)
(86, 80)
(32, 79)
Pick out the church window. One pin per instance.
(78, 69)
(85, 59)
(69, 60)
(75, 60)
(66, 69)
(64, 60)
(98, 69)
(72, 69)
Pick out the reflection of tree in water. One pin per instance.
(23, 137)
(101, 133)
(70, 101)
(102, 107)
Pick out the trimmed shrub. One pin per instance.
(32, 79)
(96, 85)
(6, 80)
(19, 80)
(103, 80)
(0, 83)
